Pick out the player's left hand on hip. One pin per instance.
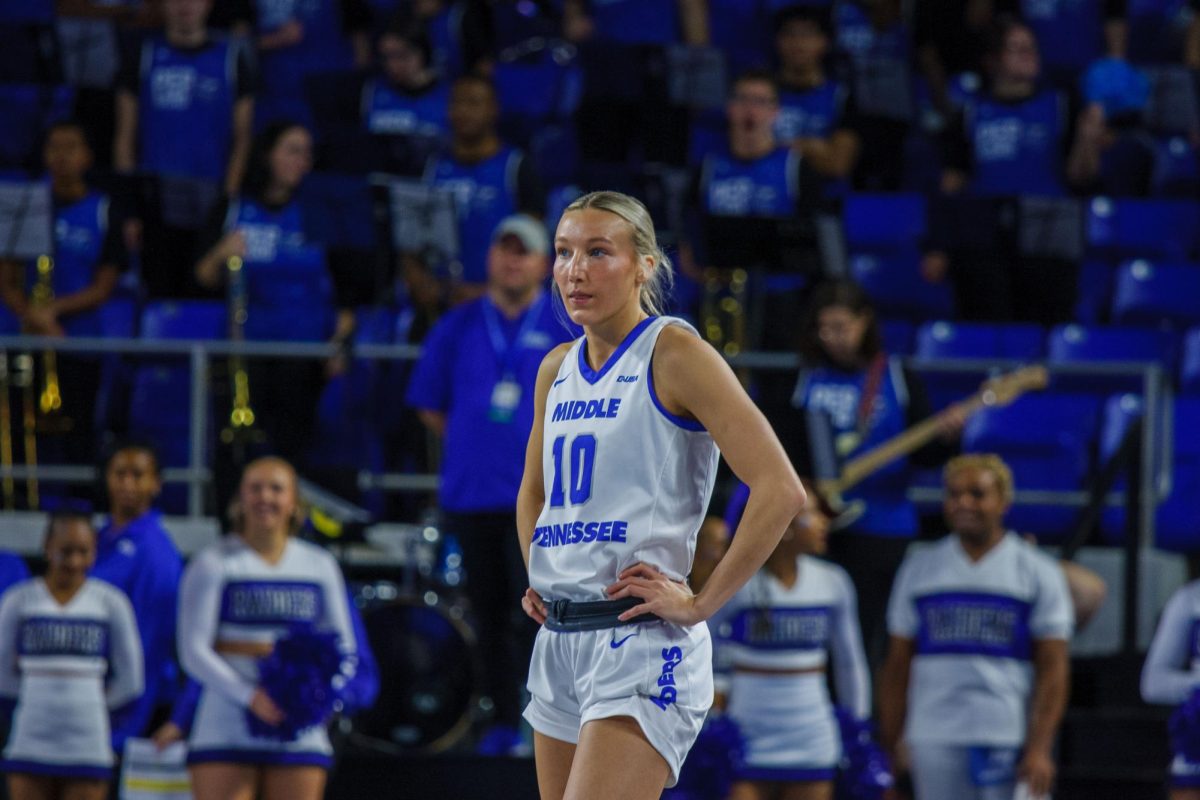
(665, 598)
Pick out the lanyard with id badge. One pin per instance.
(506, 394)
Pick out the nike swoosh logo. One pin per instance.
(560, 380)
(615, 643)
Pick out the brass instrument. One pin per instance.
(50, 398)
(241, 416)
(6, 440)
(723, 311)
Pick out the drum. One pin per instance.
(427, 667)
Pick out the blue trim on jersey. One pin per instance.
(280, 758)
(683, 422)
(592, 376)
(785, 773)
(973, 623)
(79, 771)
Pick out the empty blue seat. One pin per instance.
(896, 287)
(1047, 440)
(979, 340)
(1142, 228)
(28, 111)
(1176, 168)
(1076, 343)
(1152, 294)
(884, 222)
(1095, 291)
(1189, 364)
(9, 326)
(118, 318)
(186, 319)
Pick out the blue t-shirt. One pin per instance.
(1017, 148)
(80, 238)
(483, 454)
(142, 561)
(762, 187)
(289, 293)
(484, 194)
(13, 570)
(838, 394)
(185, 107)
(387, 110)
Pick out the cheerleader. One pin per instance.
(1170, 675)
(773, 643)
(69, 653)
(236, 600)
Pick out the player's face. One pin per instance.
(513, 268)
(841, 331)
(268, 495)
(472, 110)
(753, 107)
(291, 158)
(1019, 58)
(133, 482)
(974, 504)
(596, 267)
(801, 45)
(67, 154)
(70, 552)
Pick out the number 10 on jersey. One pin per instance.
(580, 456)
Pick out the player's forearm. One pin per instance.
(770, 508)
(528, 510)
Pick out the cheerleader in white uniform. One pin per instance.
(1172, 672)
(236, 599)
(69, 654)
(773, 643)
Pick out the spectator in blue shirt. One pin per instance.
(489, 179)
(135, 553)
(473, 387)
(184, 101)
(13, 570)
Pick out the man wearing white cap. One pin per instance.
(473, 387)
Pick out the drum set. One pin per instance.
(429, 665)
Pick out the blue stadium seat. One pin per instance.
(160, 393)
(1075, 343)
(1175, 521)
(118, 317)
(1047, 440)
(1140, 228)
(896, 287)
(979, 340)
(28, 110)
(555, 151)
(9, 326)
(1189, 363)
(1176, 168)
(1153, 294)
(884, 222)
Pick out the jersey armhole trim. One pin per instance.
(682, 422)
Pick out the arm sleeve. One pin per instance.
(199, 606)
(1053, 616)
(183, 713)
(1166, 677)
(362, 689)
(10, 619)
(902, 614)
(126, 662)
(850, 676)
(338, 606)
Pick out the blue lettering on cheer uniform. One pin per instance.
(782, 628)
(974, 623)
(271, 602)
(54, 636)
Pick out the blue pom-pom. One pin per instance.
(1184, 726)
(301, 675)
(708, 771)
(865, 772)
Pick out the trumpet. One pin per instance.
(241, 416)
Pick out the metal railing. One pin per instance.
(1154, 481)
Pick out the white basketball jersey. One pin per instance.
(625, 480)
